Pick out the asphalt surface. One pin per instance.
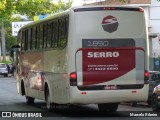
(11, 101)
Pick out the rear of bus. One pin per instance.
(109, 61)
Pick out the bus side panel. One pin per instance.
(55, 74)
(31, 70)
(41, 69)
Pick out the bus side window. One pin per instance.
(22, 40)
(63, 31)
(26, 40)
(54, 33)
(33, 38)
(49, 34)
(38, 36)
(41, 37)
(44, 36)
(66, 27)
(30, 39)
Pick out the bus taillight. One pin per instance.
(146, 77)
(73, 79)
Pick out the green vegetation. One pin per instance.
(6, 62)
(24, 7)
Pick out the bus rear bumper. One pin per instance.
(108, 96)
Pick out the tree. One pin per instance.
(127, 0)
(24, 7)
(6, 10)
(67, 5)
(10, 40)
(34, 7)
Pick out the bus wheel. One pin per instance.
(110, 107)
(48, 99)
(149, 102)
(29, 100)
(134, 104)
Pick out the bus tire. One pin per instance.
(29, 100)
(134, 104)
(48, 99)
(109, 107)
(22, 88)
(149, 102)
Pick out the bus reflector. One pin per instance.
(146, 77)
(141, 10)
(73, 79)
(134, 91)
(83, 92)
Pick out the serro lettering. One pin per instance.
(102, 54)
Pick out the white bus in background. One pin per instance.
(85, 55)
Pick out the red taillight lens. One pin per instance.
(73, 75)
(146, 77)
(146, 74)
(73, 79)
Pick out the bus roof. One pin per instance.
(45, 19)
(83, 8)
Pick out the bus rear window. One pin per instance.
(129, 23)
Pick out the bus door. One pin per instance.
(110, 68)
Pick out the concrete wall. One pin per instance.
(154, 16)
(154, 22)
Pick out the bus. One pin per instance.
(85, 55)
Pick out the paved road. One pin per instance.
(11, 101)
